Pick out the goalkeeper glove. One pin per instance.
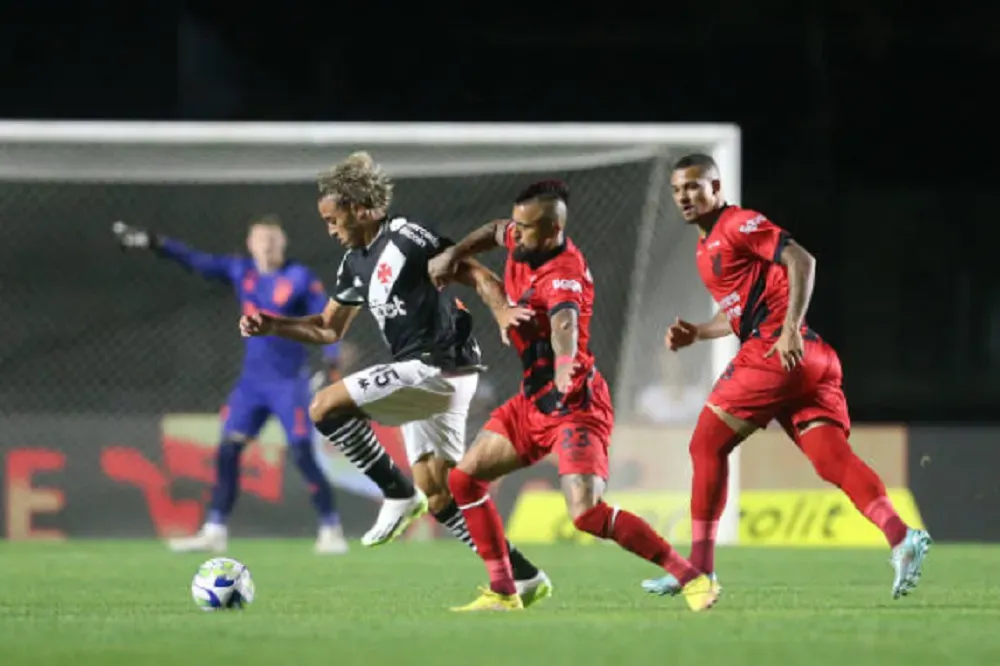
(134, 238)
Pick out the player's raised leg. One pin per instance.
(492, 456)
(244, 415)
(290, 402)
(583, 468)
(338, 417)
(825, 443)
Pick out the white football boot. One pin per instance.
(535, 589)
(331, 541)
(211, 539)
(393, 519)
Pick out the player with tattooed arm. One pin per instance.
(564, 404)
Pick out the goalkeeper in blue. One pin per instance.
(274, 380)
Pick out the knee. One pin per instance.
(230, 448)
(597, 519)
(320, 410)
(579, 506)
(302, 454)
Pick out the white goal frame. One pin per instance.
(256, 143)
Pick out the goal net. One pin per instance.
(106, 338)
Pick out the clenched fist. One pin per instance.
(680, 334)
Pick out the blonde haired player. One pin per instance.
(436, 361)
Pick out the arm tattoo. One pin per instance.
(564, 332)
(486, 283)
(485, 238)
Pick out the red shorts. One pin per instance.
(580, 438)
(758, 389)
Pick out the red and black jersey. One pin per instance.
(555, 282)
(739, 263)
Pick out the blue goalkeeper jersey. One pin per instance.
(290, 291)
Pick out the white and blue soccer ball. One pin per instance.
(222, 584)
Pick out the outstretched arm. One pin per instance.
(443, 268)
(485, 238)
(212, 266)
(319, 329)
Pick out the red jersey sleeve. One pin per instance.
(563, 287)
(758, 236)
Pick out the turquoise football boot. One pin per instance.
(908, 561)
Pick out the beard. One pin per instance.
(535, 258)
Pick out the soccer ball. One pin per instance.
(222, 584)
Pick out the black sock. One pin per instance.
(451, 519)
(356, 440)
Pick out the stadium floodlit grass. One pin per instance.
(112, 602)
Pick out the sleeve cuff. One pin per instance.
(344, 300)
(565, 305)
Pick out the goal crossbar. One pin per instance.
(439, 134)
(255, 152)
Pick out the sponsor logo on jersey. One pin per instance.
(419, 235)
(567, 285)
(751, 225)
(395, 307)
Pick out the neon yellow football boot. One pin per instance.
(701, 593)
(489, 600)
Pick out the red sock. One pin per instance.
(485, 528)
(835, 461)
(711, 444)
(636, 536)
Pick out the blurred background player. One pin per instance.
(274, 378)
(564, 405)
(429, 384)
(763, 281)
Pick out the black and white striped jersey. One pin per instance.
(389, 276)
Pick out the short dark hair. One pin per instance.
(696, 160)
(546, 190)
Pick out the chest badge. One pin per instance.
(282, 291)
(384, 273)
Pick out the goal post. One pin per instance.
(203, 181)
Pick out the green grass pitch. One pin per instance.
(105, 603)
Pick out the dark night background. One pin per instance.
(866, 126)
(868, 130)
